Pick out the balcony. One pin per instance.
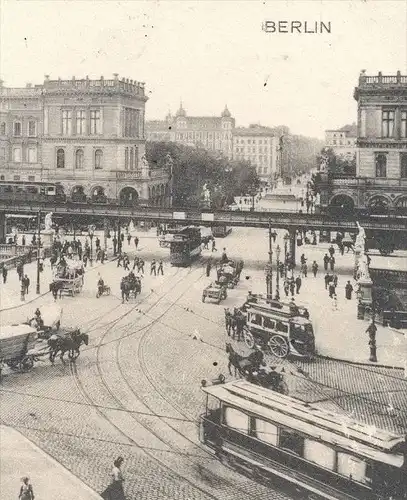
(379, 80)
(369, 182)
(156, 173)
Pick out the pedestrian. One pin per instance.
(140, 266)
(26, 283)
(122, 237)
(4, 272)
(331, 250)
(334, 302)
(298, 283)
(135, 263)
(85, 260)
(304, 270)
(281, 269)
(54, 290)
(115, 489)
(80, 250)
(23, 240)
(292, 287)
(315, 268)
(26, 490)
(160, 268)
(303, 260)
(214, 249)
(208, 267)
(128, 239)
(114, 240)
(341, 247)
(136, 240)
(126, 263)
(97, 242)
(119, 260)
(153, 268)
(331, 289)
(327, 279)
(335, 280)
(348, 290)
(102, 256)
(332, 263)
(286, 288)
(326, 261)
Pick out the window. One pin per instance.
(403, 165)
(60, 158)
(126, 158)
(79, 159)
(265, 431)
(290, 440)
(17, 129)
(381, 164)
(403, 124)
(281, 327)
(255, 319)
(32, 128)
(16, 177)
(17, 155)
(80, 122)
(319, 453)
(95, 121)
(387, 123)
(354, 467)
(131, 159)
(3, 128)
(31, 178)
(236, 419)
(32, 154)
(98, 159)
(66, 122)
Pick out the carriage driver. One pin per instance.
(101, 285)
(38, 318)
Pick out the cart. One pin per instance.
(69, 276)
(49, 320)
(15, 341)
(216, 291)
(228, 274)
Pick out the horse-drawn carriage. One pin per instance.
(46, 319)
(215, 291)
(68, 277)
(229, 273)
(130, 286)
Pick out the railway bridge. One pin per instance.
(386, 225)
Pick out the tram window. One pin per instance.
(319, 453)
(269, 323)
(236, 419)
(281, 327)
(290, 440)
(256, 319)
(32, 189)
(265, 431)
(354, 468)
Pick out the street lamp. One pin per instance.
(286, 240)
(37, 288)
(269, 268)
(91, 232)
(278, 250)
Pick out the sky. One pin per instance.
(212, 53)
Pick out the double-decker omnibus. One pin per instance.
(185, 245)
(324, 454)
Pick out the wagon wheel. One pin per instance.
(27, 363)
(278, 346)
(13, 364)
(249, 339)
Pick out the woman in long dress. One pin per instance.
(115, 489)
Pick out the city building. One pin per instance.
(210, 132)
(343, 140)
(260, 147)
(380, 182)
(88, 135)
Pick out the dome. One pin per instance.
(181, 111)
(226, 113)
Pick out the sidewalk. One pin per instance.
(19, 457)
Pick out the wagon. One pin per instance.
(228, 274)
(15, 341)
(69, 286)
(215, 291)
(51, 315)
(68, 277)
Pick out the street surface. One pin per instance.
(135, 390)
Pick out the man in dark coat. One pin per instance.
(315, 268)
(332, 263)
(331, 290)
(348, 290)
(326, 261)
(298, 283)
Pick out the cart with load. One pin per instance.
(15, 342)
(68, 277)
(216, 291)
(228, 274)
(46, 319)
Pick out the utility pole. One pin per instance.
(269, 268)
(37, 290)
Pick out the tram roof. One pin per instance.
(328, 426)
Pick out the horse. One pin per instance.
(244, 365)
(129, 284)
(69, 344)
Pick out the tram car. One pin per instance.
(185, 246)
(31, 191)
(221, 231)
(283, 328)
(324, 454)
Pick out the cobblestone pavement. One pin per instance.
(135, 390)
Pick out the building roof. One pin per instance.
(351, 130)
(253, 131)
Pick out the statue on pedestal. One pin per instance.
(360, 242)
(48, 222)
(206, 193)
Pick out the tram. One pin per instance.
(324, 454)
(221, 231)
(185, 245)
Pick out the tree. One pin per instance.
(338, 165)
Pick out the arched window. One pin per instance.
(98, 159)
(131, 159)
(79, 159)
(381, 164)
(3, 128)
(60, 158)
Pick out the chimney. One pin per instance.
(47, 78)
(116, 76)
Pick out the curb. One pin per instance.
(359, 363)
(92, 493)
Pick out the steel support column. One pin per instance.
(293, 242)
(2, 227)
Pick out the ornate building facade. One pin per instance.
(87, 135)
(209, 132)
(260, 147)
(343, 140)
(381, 159)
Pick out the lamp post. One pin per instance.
(37, 288)
(269, 268)
(91, 232)
(278, 250)
(286, 239)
